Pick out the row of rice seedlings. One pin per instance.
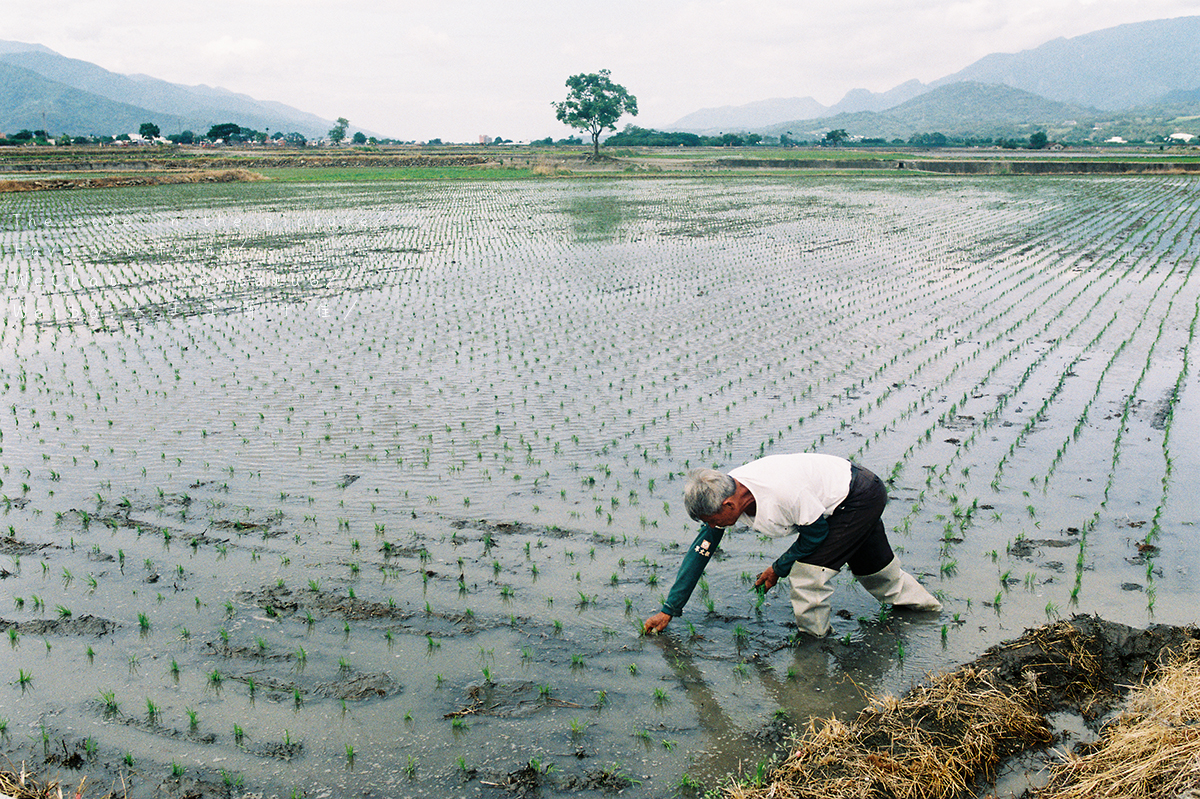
(1090, 524)
(977, 390)
(961, 450)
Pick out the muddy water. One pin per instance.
(321, 490)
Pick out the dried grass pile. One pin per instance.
(932, 743)
(942, 739)
(1152, 750)
(23, 785)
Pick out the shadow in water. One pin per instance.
(783, 689)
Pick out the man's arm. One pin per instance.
(811, 536)
(693, 565)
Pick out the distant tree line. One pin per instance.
(549, 141)
(634, 136)
(224, 133)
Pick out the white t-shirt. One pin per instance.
(792, 490)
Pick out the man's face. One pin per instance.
(726, 515)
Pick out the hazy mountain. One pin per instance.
(1112, 69)
(31, 102)
(863, 100)
(1182, 96)
(22, 47)
(728, 118)
(959, 109)
(79, 97)
(763, 113)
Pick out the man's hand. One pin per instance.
(656, 623)
(767, 579)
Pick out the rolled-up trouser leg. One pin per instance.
(810, 597)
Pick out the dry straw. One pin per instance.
(1151, 750)
(930, 744)
(23, 785)
(941, 739)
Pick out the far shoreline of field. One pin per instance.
(26, 169)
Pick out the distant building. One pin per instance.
(1183, 137)
(1115, 140)
(484, 139)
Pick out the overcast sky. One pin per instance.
(456, 69)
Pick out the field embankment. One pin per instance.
(1050, 167)
(125, 180)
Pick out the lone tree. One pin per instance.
(149, 130)
(594, 105)
(338, 132)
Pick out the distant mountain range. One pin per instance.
(40, 89)
(1134, 81)
(1128, 80)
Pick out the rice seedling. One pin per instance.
(108, 697)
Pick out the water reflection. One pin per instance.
(596, 217)
(784, 688)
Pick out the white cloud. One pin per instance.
(228, 47)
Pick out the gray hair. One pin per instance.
(705, 490)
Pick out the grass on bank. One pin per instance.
(324, 174)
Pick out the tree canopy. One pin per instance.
(836, 137)
(594, 104)
(338, 132)
(226, 131)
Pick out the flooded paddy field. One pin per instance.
(366, 489)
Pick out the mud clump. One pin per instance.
(73, 625)
(604, 780)
(523, 781)
(277, 599)
(353, 687)
(1084, 664)
(527, 779)
(286, 750)
(512, 528)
